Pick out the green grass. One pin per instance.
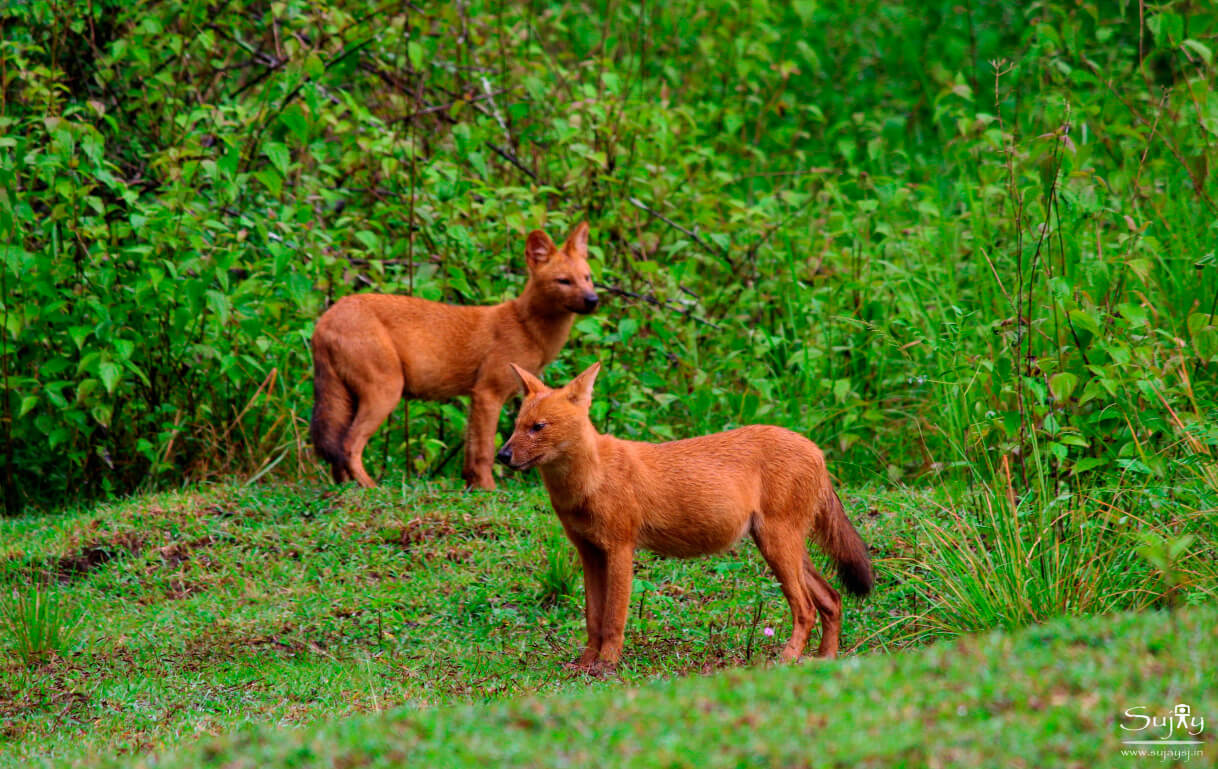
(232, 607)
(204, 611)
(1048, 696)
(37, 622)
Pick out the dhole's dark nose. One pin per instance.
(590, 301)
(504, 457)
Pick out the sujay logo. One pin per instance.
(1173, 728)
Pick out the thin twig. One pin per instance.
(509, 157)
(444, 107)
(653, 300)
(697, 239)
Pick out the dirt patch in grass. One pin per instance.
(94, 555)
(221, 643)
(286, 639)
(177, 553)
(179, 588)
(418, 531)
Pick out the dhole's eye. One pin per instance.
(537, 427)
(564, 281)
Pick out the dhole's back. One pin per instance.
(711, 486)
(421, 334)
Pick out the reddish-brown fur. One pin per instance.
(685, 498)
(372, 350)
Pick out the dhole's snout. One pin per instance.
(591, 300)
(504, 457)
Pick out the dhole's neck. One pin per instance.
(548, 325)
(573, 477)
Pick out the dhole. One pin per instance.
(372, 350)
(685, 498)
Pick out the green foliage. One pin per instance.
(1168, 555)
(559, 574)
(1013, 567)
(37, 623)
(816, 215)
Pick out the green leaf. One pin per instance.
(313, 66)
(55, 395)
(1141, 268)
(1201, 50)
(1085, 321)
(279, 156)
(1089, 463)
(627, 328)
(102, 412)
(27, 403)
(272, 180)
(1197, 321)
(294, 118)
(415, 53)
(109, 374)
(1063, 384)
(1167, 29)
(841, 388)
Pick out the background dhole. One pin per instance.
(372, 350)
(685, 498)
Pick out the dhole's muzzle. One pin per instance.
(504, 457)
(507, 456)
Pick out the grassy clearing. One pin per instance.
(1047, 696)
(204, 611)
(211, 610)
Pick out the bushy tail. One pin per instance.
(838, 538)
(332, 410)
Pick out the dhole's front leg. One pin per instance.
(594, 562)
(484, 407)
(619, 573)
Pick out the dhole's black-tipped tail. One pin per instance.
(843, 544)
(332, 411)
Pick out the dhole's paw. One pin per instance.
(595, 669)
(579, 665)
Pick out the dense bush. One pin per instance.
(926, 235)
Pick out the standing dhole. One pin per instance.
(685, 498)
(372, 350)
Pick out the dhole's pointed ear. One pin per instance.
(579, 389)
(538, 248)
(578, 239)
(532, 385)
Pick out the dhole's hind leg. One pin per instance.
(784, 551)
(340, 472)
(374, 408)
(829, 604)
